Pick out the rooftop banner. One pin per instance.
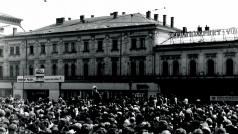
(7, 19)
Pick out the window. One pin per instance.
(100, 46)
(73, 48)
(66, 68)
(54, 69)
(133, 68)
(11, 50)
(142, 43)
(1, 52)
(73, 70)
(85, 69)
(165, 67)
(31, 70)
(66, 47)
(17, 50)
(32, 50)
(1, 72)
(133, 43)
(114, 45)
(192, 68)
(11, 70)
(42, 66)
(141, 68)
(54, 49)
(175, 67)
(210, 67)
(85, 46)
(229, 67)
(100, 68)
(114, 66)
(42, 49)
(17, 70)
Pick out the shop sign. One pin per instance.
(223, 98)
(26, 79)
(53, 78)
(39, 72)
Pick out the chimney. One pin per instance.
(14, 31)
(60, 21)
(199, 29)
(164, 20)
(82, 18)
(148, 14)
(92, 16)
(156, 17)
(207, 28)
(123, 13)
(115, 15)
(184, 30)
(69, 18)
(172, 22)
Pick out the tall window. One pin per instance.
(66, 68)
(73, 70)
(11, 50)
(85, 69)
(133, 43)
(31, 49)
(54, 48)
(17, 70)
(54, 69)
(192, 68)
(31, 70)
(1, 52)
(100, 68)
(100, 46)
(11, 71)
(17, 50)
(115, 45)
(133, 68)
(66, 47)
(114, 67)
(42, 66)
(142, 43)
(73, 48)
(175, 67)
(85, 46)
(165, 68)
(1, 72)
(229, 67)
(210, 67)
(43, 49)
(141, 68)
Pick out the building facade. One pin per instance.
(115, 53)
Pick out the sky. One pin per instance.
(217, 14)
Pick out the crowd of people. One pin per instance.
(124, 115)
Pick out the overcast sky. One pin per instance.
(190, 13)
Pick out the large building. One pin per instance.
(115, 53)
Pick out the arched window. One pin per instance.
(133, 68)
(66, 68)
(229, 67)
(175, 67)
(31, 70)
(210, 67)
(54, 69)
(192, 68)
(141, 68)
(165, 68)
(85, 69)
(73, 70)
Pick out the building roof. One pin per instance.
(95, 23)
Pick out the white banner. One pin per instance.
(40, 79)
(223, 98)
(26, 79)
(54, 79)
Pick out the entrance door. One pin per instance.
(34, 95)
